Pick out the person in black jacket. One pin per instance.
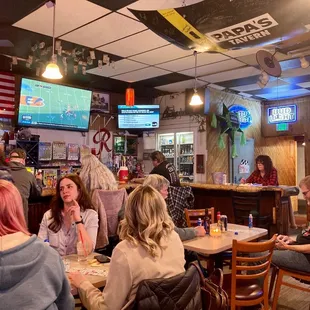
(5, 171)
(27, 184)
(164, 168)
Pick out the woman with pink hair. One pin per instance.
(32, 274)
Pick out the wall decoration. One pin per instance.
(106, 135)
(73, 151)
(282, 114)
(50, 178)
(171, 113)
(228, 123)
(223, 25)
(45, 151)
(245, 117)
(100, 102)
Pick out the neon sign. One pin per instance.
(244, 115)
(283, 114)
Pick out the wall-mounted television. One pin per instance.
(47, 105)
(138, 117)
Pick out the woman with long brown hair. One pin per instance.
(265, 173)
(71, 218)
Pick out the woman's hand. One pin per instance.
(281, 245)
(75, 211)
(76, 279)
(200, 231)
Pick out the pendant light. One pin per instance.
(52, 70)
(196, 100)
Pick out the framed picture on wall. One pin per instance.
(100, 102)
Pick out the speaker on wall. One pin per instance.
(203, 109)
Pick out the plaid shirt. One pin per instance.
(271, 179)
(178, 199)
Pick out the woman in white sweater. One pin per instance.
(150, 249)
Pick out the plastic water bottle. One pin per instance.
(250, 220)
(199, 222)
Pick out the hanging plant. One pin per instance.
(229, 124)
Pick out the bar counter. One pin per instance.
(274, 202)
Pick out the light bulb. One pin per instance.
(52, 72)
(196, 100)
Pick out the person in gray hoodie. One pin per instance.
(32, 274)
(27, 184)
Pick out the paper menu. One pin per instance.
(59, 150)
(45, 151)
(73, 151)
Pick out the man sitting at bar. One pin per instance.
(27, 184)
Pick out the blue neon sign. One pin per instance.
(282, 114)
(244, 115)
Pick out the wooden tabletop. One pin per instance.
(214, 245)
(72, 264)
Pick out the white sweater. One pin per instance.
(129, 266)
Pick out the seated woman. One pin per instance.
(96, 175)
(296, 254)
(71, 218)
(149, 249)
(32, 273)
(264, 174)
(161, 184)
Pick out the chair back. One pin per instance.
(251, 260)
(193, 215)
(179, 292)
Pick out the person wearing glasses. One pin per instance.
(295, 254)
(265, 174)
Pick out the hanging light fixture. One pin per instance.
(130, 97)
(52, 70)
(196, 100)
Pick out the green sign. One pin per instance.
(282, 127)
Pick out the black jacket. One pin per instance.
(181, 292)
(26, 183)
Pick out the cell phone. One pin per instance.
(102, 259)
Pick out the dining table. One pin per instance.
(222, 242)
(96, 273)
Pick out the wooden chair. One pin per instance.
(246, 289)
(192, 216)
(291, 273)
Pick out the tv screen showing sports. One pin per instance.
(48, 105)
(138, 117)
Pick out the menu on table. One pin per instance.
(59, 150)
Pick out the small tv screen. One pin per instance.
(47, 105)
(138, 117)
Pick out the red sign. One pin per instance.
(103, 141)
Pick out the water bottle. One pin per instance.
(81, 252)
(199, 222)
(250, 220)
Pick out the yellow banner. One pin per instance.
(180, 23)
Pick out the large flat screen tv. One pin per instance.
(47, 105)
(138, 117)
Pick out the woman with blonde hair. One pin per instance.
(95, 175)
(32, 273)
(150, 248)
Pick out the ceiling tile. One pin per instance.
(122, 66)
(139, 75)
(163, 54)
(181, 86)
(189, 62)
(214, 68)
(284, 94)
(245, 95)
(105, 30)
(243, 52)
(41, 20)
(218, 87)
(113, 4)
(304, 85)
(135, 44)
(231, 74)
(271, 83)
(295, 72)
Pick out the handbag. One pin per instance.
(212, 294)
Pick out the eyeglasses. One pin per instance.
(305, 193)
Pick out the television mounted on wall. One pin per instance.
(53, 106)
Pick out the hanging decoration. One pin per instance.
(229, 124)
(130, 97)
